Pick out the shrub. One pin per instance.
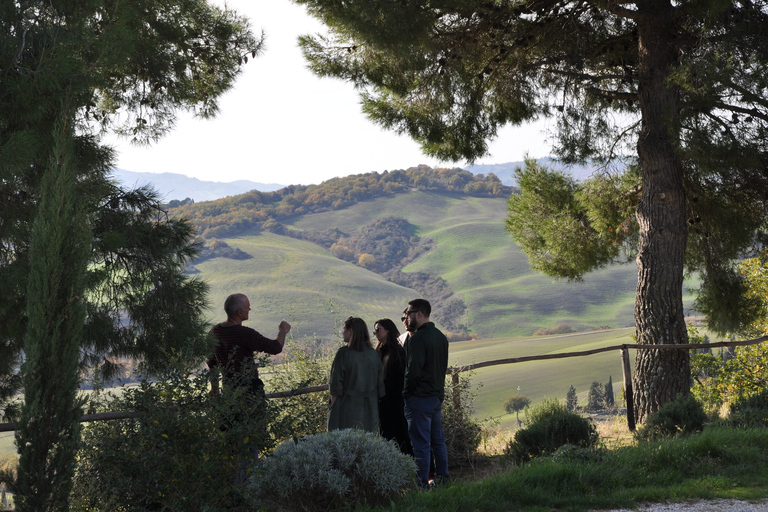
(463, 435)
(547, 434)
(561, 328)
(332, 470)
(684, 415)
(547, 407)
(305, 363)
(174, 454)
(750, 411)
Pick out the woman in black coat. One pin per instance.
(391, 414)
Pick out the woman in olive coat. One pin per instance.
(356, 381)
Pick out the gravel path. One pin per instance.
(701, 506)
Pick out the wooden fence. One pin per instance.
(455, 371)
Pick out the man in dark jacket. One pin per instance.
(426, 364)
(236, 345)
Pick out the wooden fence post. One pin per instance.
(628, 388)
(455, 392)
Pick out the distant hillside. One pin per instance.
(264, 210)
(177, 186)
(506, 171)
(314, 256)
(304, 283)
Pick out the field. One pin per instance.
(539, 379)
(506, 301)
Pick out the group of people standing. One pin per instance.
(395, 388)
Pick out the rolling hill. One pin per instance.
(305, 284)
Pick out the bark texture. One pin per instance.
(660, 375)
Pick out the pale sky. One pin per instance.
(282, 124)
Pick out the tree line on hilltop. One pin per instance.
(233, 215)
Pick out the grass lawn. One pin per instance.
(720, 462)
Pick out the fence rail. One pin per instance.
(456, 370)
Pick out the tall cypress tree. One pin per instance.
(49, 428)
(571, 400)
(609, 401)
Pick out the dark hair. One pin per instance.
(421, 305)
(360, 338)
(390, 352)
(392, 333)
(233, 304)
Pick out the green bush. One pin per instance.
(684, 415)
(550, 432)
(305, 363)
(174, 455)
(547, 407)
(462, 434)
(331, 470)
(750, 411)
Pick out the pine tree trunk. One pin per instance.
(660, 375)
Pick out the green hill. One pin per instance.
(297, 281)
(480, 261)
(304, 283)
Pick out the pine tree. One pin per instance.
(123, 66)
(596, 397)
(681, 85)
(571, 400)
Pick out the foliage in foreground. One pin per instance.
(174, 455)
(719, 462)
(725, 377)
(332, 470)
(548, 434)
(750, 411)
(684, 415)
(305, 363)
(463, 434)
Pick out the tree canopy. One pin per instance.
(679, 85)
(92, 67)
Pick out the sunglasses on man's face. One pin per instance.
(406, 314)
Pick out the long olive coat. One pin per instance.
(358, 382)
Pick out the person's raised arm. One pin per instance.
(283, 329)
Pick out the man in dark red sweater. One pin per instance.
(234, 352)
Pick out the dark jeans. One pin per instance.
(426, 432)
